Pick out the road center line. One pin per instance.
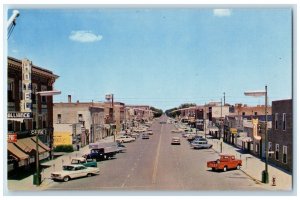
(156, 159)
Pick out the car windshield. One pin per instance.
(68, 168)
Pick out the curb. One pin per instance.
(254, 179)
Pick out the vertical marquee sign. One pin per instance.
(26, 102)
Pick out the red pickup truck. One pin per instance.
(224, 163)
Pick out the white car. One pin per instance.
(74, 171)
(125, 138)
(175, 140)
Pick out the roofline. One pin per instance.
(34, 66)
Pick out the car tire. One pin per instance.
(213, 169)
(89, 175)
(66, 178)
(238, 167)
(225, 169)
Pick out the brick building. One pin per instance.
(82, 121)
(24, 81)
(281, 138)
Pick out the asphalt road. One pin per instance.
(156, 165)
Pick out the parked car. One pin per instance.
(74, 171)
(84, 161)
(121, 147)
(175, 140)
(145, 136)
(125, 138)
(150, 132)
(177, 131)
(224, 163)
(200, 144)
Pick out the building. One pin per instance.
(28, 112)
(281, 138)
(78, 122)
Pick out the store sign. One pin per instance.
(12, 137)
(255, 125)
(233, 130)
(23, 115)
(26, 102)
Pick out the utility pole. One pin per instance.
(224, 98)
(221, 121)
(204, 120)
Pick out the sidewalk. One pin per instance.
(253, 167)
(54, 165)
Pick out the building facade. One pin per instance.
(281, 138)
(24, 81)
(80, 123)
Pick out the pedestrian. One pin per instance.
(78, 147)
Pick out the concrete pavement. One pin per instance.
(253, 167)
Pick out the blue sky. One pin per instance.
(161, 57)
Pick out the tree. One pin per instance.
(157, 112)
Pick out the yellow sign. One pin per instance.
(255, 135)
(62, 138)
(233, 130)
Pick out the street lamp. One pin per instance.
(265, 174)
(37, 176)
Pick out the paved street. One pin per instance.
(156, 165)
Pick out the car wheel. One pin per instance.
(225, 169)
(238, 167)
(89, 175)
(213, 169)
(66, 178)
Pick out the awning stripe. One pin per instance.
(16, 152)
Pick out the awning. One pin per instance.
(28, 145)
(41, 144)
(16, 152)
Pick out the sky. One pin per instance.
(161, 57)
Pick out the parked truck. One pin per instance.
(224, 163)
(102, 151)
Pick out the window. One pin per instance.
(44, 98)
(255, 113)
(256, 148)
(270, 149)
(277, 152)
(283, 121)
(80, 119)
(10, 90)
(276, 121)
(243, 113)
(284, 155)
(59, 118)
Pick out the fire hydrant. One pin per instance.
(273, 181)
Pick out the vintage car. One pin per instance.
(125, 138)
(84, 161)
(175, 140)
(74, 171)
(177, 131)
(145, 136)
(200, 144)
(150, 132)
(224, 163)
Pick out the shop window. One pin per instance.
(270, 149)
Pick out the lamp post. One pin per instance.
(37, 176)
(265, 174)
